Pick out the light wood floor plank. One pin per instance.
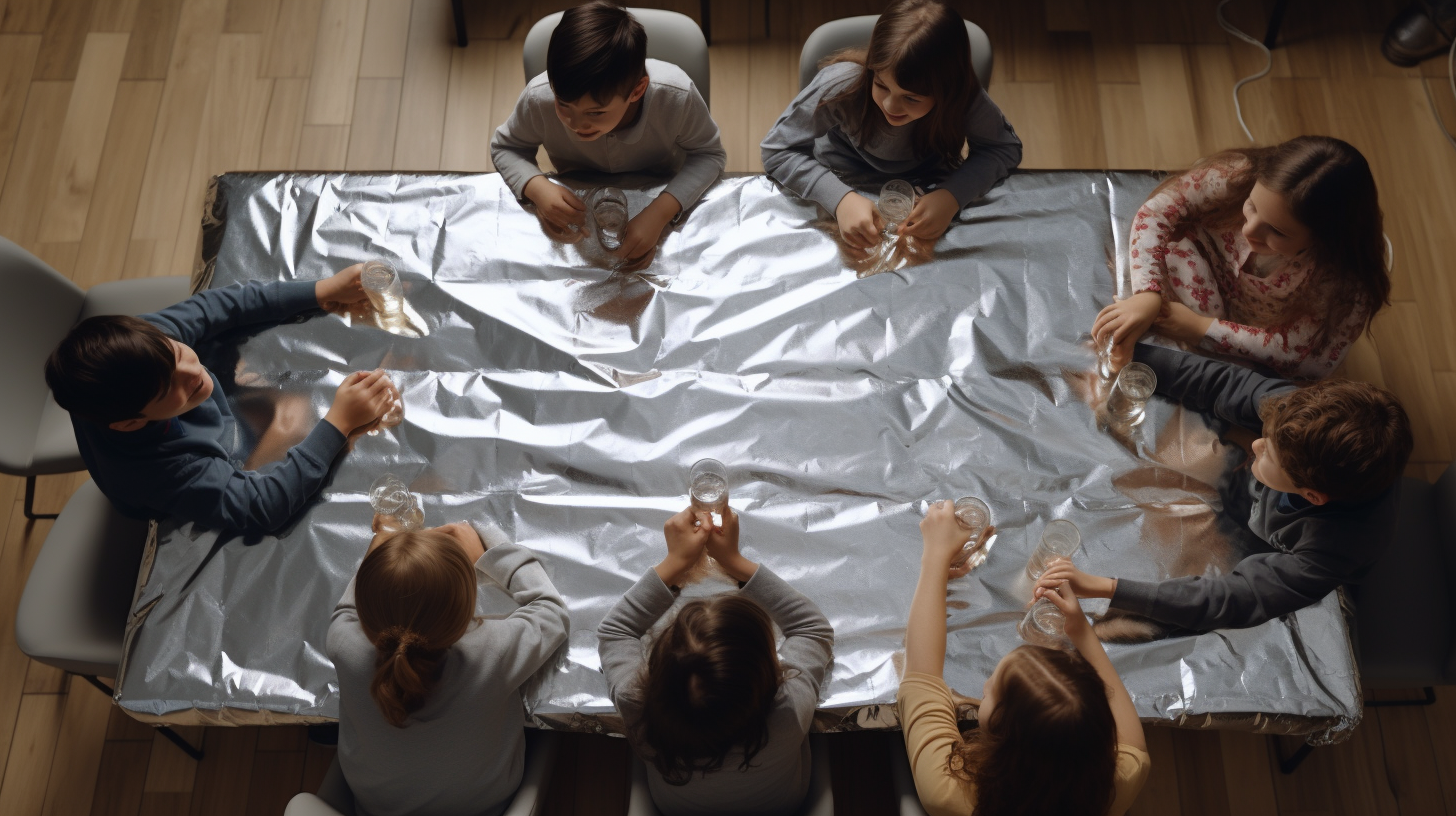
(24, 16)
(78, 751)
(153, 32)
(1163, 77)
(376, 109)
(1246, 776)
(17, 59)
(426, 83)
(465, 144)
(118, 788)
(64, 39)
(292, 40)
(283, 125)
(336, 62)
(118, 183)
(386, 34)
(31, 161)
(28, 766)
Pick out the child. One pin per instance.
(722, 724)
(1326, 493)
(602, 105)
(430, 712)
(904, 108)
(156, 431)
(1058, 732)
(1271, 254)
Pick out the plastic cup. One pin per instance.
(1060, 539)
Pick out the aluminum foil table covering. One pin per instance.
(566, 402)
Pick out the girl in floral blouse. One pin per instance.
(1273, 255)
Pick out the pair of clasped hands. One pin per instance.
(564, 216)
(690, 535)
(945, 539)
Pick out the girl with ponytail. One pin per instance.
(430, 711)
(720, 720)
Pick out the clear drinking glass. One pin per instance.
(1044, 625)
(397, 508)
(897, 199)
(973, 516)
(708, 486)
(1127, 402)
(609, 210)
(1060, 539)
(385, 290)
(1104, 358)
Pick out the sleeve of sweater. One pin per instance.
(995, 150)
(706, 158)
(1231, 392)
(619, 637)
(1164, 217)
(1296, 348)
(928, 718)
(808, 638)
(214, 311)
(514, 145)
(788, 149)
(527, 638)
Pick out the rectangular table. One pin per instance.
(566, 402)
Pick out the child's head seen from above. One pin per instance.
(597, 65)
(708, 686)
(1335, 440)
(123, 372)
(1047, 742)
(415, 596)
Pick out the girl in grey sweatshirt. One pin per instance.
(430, 712)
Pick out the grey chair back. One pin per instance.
(43, 306)
(671, 37)
(854, 32)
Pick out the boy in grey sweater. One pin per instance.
(1326, 489)
(603, 106)
(712, 700)
(460, 751)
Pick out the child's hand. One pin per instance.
(341, 288)
(1060, 571)
(1126, 321)
(859, 222)
(557, 205)
(723, 546)
(465, 536)
(943, 536)
(639, 240)
(362, 398)
(964, 568)
(931, 216)
(1065, 600)
(686, 542)
(1178, 322)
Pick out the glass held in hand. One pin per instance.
(1127, 402)
(395, 506)
(897, 199)
(1104, 357)
(1060, 539)
(1044, 625)
(395, 413)
(974, 517)
(385, 290)
(609, 211)
(708, 486)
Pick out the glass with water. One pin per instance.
(609, 211)
(897, 199)
(383, 287)
(1060, 539)
(708, 486)
(396, 507)
(1104, 358)
(1044, 625)
(974, 517)
(1128, 400)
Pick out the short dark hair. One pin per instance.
(597, 50)
(1349, 440)
(110, 367)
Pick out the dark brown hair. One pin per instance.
(1049, 744)
(597, 50)
(415, 595)
(708, 687)
(1346, 439)
(1330, 189)
(109, 368)
(922, 44)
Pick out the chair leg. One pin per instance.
(30, 502)
(1288, 765)
(172, 736)
(458, 6)
(1276, 19)
(1430, 699)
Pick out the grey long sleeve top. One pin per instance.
(191, 466)
(1314, 549)
(674, 135)
(812, 142)
(778, 780)
(463, 753)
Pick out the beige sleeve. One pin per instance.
(1133, 765)
(927, 714)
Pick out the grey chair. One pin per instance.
(853, 32)
(43, 307)
(671, 37)
(818, 802)
(335, 799)
(74, 608)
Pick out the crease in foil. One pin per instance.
(565, 399)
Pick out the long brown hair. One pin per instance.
(1330, 189)
(1049, 744)
(922, 44)
(708, 687)
(415, 594)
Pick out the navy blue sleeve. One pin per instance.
(213, 311)
(1230, 392)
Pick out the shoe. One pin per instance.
(1424, 29)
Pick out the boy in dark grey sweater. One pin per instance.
(155, 429)
(1327, 487)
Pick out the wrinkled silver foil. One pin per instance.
(567, 402)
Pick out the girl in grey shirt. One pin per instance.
(430, 713)
(720, 718)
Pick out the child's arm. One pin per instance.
(1290, 349)
(1129, 727)
(994, 151)
(788, 149)
(1229, 391)
(925, 631)
(214, 311)
(531, 634)
(706, 158)
(513, 146)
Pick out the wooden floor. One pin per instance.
(114, 113)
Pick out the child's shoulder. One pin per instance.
(666, 75)
(837, 76)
